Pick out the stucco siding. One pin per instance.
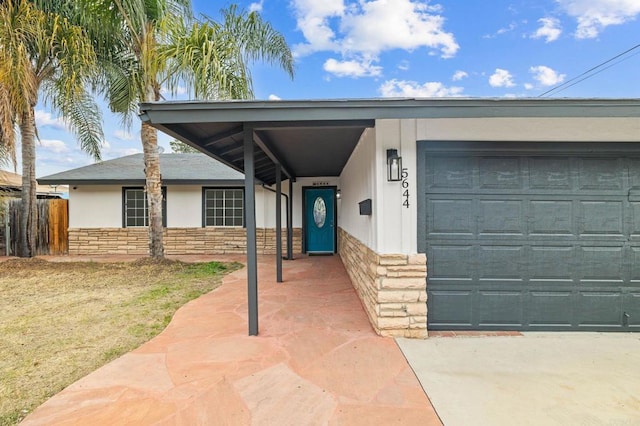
(357, 183)
(95, 207)
(184, 206)
(544, 129)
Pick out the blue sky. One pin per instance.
(415, 48)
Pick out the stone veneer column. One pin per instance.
(392, 287)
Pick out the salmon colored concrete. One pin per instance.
(316, 361)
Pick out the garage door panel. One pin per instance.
(500, 172)
(601, 264)
(449, 172)
(531, 236)
(601, 173)
(501, 217)
(550, 308)
(450, 308)
(634, 211)
(551, 218)
(499, 308)
(631, 307)
(445, 262)
(601, 218)
(552, 263)
(451, 217)
(500, 263)
(599, 309)
(634, 265)
(549, 173)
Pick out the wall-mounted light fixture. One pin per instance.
(338, 194)
(394, 166)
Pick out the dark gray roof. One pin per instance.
(316, 137)
(176, 169)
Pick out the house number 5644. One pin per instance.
(405, 187)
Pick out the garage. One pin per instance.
(530, 236)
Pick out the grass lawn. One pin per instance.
(61, 321)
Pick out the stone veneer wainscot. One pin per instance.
(392, 287)
(210, 240)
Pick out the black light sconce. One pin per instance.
(394, 166)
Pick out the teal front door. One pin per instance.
(320, 226)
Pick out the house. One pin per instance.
(454, 214)
(203, 207)
(11, 186)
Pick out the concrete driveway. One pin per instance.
(533, 379)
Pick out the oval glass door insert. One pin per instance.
(319, 212)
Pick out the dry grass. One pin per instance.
(60, 321)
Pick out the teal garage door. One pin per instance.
(530, 236)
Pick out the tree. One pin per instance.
(182, 148)
(43, 54)
(166, 48)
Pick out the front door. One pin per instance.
(320, 231)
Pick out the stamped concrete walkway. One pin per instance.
(316, 361)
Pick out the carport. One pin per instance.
(268, 144)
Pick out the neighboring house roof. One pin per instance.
(11, 183)
(175, 169)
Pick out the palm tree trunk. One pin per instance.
(149, 137)
(29, 213)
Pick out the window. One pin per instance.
(223, 207)
(135, 209)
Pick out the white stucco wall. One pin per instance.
(357, 183)
(100, 206)
(607, 129)
(184, 206)
(95, 206)
(396, 223)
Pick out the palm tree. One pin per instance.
(166, 48)
(43, 54)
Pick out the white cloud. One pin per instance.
(352, 68)
(123, 135)
(459, 75)
(546, 76)
(54, 145)
(594, 16)
(512, 26)
(528, 86)
(45, 119)
(411, 89)
(550, 29)
(354, 29)
(404, 65)
(273, 97)
(256, 7)
(501, 78)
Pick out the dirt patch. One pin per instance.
(60, 321)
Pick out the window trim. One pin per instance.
(204, 206)
(124, 206)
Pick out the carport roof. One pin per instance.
(317, 137)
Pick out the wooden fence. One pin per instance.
(53, 224)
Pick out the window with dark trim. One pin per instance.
(222, 207)
(135, 211)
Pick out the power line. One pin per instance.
(589, 73)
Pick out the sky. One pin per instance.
(414, 48)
